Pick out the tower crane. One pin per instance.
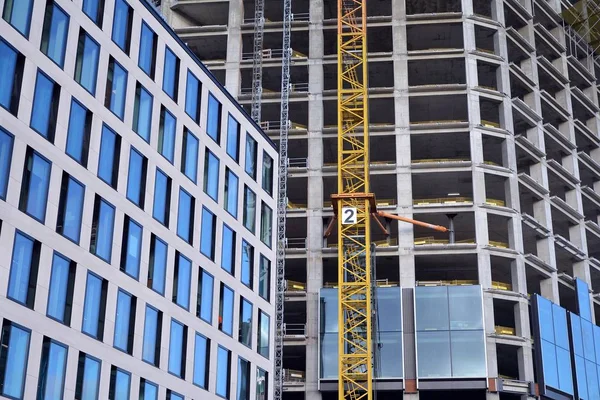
(354, 206)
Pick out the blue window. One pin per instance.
(6, 146)
(231, 192)
(124, 322)
(247, 267)
(228, 249)
(263, 333)
(213, 123)
(243, 379)
(264, 278)
(136, 181)
(262, 384)
(88, 378)
(158, 265)
(266, 224)
(108, 163)
(23, 270)
(121, 30)
(166, 134)
(251, 153)
(94, 306)
(103, 223)
(193, 92)
(223, 372)
(78, 135)
(201, 361)
(70, 208)
(206, 283)
(226, 310)
(86, 65)
(148, 390)
(142, 112)
(11, 77)
(116, 88)
(267, 173)
(152, 331)
(583, 300)
(60, 292)
(185, 216)
(171, 74)
(147, 54)
(162, 198)
(52, 370)
(132, 248)
(249, 209)
(211, 175)
(189, 158)
(171, 395)
(14, 351)
(177, 348)
(120, 384)
(45, 106)
(18, 14)
(54, 33)
(95, 10)
(245, 336)
(207, 234)
(233, 138)
(182, 281)
(34, 189)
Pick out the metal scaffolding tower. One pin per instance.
(584, 19)
(259, 25)
(282, 197)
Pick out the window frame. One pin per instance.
(165, 218)
(216, 136)
(113, 64)
(123, 265)
(64, 203)
(175, 93)
(77, 74)
(162, 137)
(69, 290)
(227, 393)
(85, 145)
(200, 305)
(143, 49)
(47, 27)
(8, 160)
(157, 337)
(96, 220)
(137, 112)
(190, 217)
(8, 18)
(25, 194)
(141, 180)
(128, 28)
(3, 365)
(213, 234)
(177, 271)
(101, 306)
(33, 270)
(206, 360)
(197, 99)
(52, 109)
(16, 81)
(130, 323)
(182, 351)
(116, 157)
(152, 264)
(47, 344)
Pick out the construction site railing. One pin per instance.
(300, 87)
(432, 240)
(293, 376)
(296, 206)
(378, 243)
(295, 243)
(294, 330)
(439, 160)
(294, 286)
(379, 283)
(298, 162)
(297, 17)
(504, 330)
(276, 125)
(442, 200)
(272, 54)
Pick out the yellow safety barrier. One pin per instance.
(439, 160)
(294, 286)
(495, 243)
(442, 200)
(504, 330)
(495, 202)
(455, 282)
(296, 206)
(295, 125)
(439, 121)
(501, 286)
(490, 123)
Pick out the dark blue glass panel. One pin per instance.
(583, 299)
(592, 380)
(201, 357)
(8, 65)
(86, 68)
(118, 91)
(184, 216)
(597, 342)
(231, 193)
(587, 333)
(59, 282)
(576, 334)
(42, 105)
(233, 138)
(433, 354)
(107, 159)
(213, 122)
(247, 269)
(73, 210)
(227, 310)
(148, 391)
(135, 180)
(228, 249)
(170, 77)
(91, 307)
(166, 135)
(142, 113)
(38, 173)
(121, 337)
(206, 297)
(15, 359)
(545, 319)
(432, 308)
(183, 282)
(549, 364)
(92, 9)
(20, 268)
(160, 209)
(147, 49)
(121, 25)
(189, 164)
(207, 239)
(54, 36)
(389, 309)
(561, 331)
(18, 14)
(77, 136)
(176, 348)
(565, 376)
(223, 370)
(6, 146)
(52, 373)
(150, 331)
(211, 175)
(192, 108)
(581, 378)
(104, 233)
(158, 266)
(134, 250)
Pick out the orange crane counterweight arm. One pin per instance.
(438, 228)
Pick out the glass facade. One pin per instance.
(120, 384)
(226, 310)
(52, 370)
(11, 75)
(177, 349)
(142, 112)
(189, 162)
(94, 306)
(267, 173)
(108, 164)
(171, 74)
(18, 14)
(192, 97)
(251, 154)
(249, 209)
(124, 322)
(157, 268)
(152, 336)
(45, 106)
(182, 281)
(228, 249)
(207, 233)
(116, 88)
(162, 198)
(34, 188)
(166, 134)
(78, 134)
(132, 248)
(185, 216)
(148, 390)
(6, 146)
(60, 293)
(211, 175)
(264, 330)
(121, 28)
(102, 229)
(94, 9)
(13, 359)
(264, 278)
(147, 53)
(231, 192)
(201, 360)
(88, 378)
(70, 208)
(247, 267)
(245, 336)
(204, 308)
(86, 66)
(136, 180)
(243, 379)
(223, 372)
(233, 138)
(54, 33)
(213, 119)
(23, 270)
(266, 221)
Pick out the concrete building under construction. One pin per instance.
(484, 114)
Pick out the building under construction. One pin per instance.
(484, 117)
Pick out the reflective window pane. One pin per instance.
(262, 384)
(266, 224)
(23, 270)
(170, 74)
(120, 384)
(45, 106)
(250, 160)
(211, 175)
(213, 123)
(86, 65)
(328, 351)
(189, 161)
(468, 354)
(581, 378)
(433, 354)
(52, 370)
(147, 53)
(388, 309)
(34, 188)
(243, 380)
(181, 282)
(70, 208)
(152, 329)
(132, 248)
(201, 361)
(565, 376)
(18, 14)
(94, 9)
(148, 390)
(121, 30)
(166, 134)
(263, 334)
(13, 359)
(157, 267)
(249, 209)
(162, 198)
(431, 308)
(561, 334)
(93, 307)
(116, 88)
(60, 292)
(11, 76)
(142, 112)
(231, 192)
(223, 372)
(247, 264)
(205, 296)
(192, 97)
(328, 307)
(228, 249)
(592, 380)
(549, 364)
(233, 138)
(245, 336)
(177, 349)
(207, 234)
(389, 355)
(88, 378)
(545, 318)
(108, 162)
(185, 216)
(78, 134)
(6, 146)
(465, 306)
(136, 178)
(264, 276)
(102, 229)
(226, 310)
(583, 299)
(267, 173)
(54, 33)
(123, 338)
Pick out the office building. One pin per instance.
(136, 213)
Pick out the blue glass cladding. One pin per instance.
(166, 135)
(228, 249)
(86, 67)
(211, 175)
(44, 107)
(207, 234)
(586, 348)
(117, 83)
(247, 267)
(201, 361)
(61, 288)
(226, 310)
(52, 370)
(70, 209)
(583, 300)
(151, 344)
(18, 14)
(136, 181)
(162, 198)
(34, 189)
(205, 296)
(192, 97)
(108, 163)
(147, 54)
(13, 359)
(223, 369)
(132, 248)
(102, 230)
(94, 10)
(182, 281)
(185, 216)
(121, 31)
(231, 192)
(93, 305)
(233, 138)
(122, 321)
(142, 113)
(176, 349)
(8, 78)
(22, 269)
(78, 136)
(158, 265)
(213, 123)
(6, 146)
(189, 162)
(170, 74)
(552, 334)
(54, 34)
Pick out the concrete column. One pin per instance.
(233, 77)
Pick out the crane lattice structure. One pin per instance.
(353, 205)
(259, 26)
(282, 197)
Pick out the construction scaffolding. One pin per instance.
(583, 18)
(259, 25)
